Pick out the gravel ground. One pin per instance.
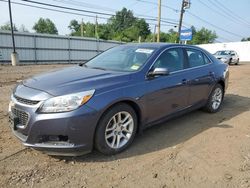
(195, 150)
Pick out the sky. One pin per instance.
(230, 19)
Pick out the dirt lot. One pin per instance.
(195, 150)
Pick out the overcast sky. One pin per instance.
(229, 18)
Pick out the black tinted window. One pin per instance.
(196, 58)
(171, 59)
(206, 59)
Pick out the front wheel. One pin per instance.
(215, 99)
(116, 129)
(237, 62)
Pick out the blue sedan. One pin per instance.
(104, 102)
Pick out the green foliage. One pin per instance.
(122, 27)
(7, 27)
(45, 26)
(171, 37)
(202, 36)
(245, 39)
(75, 28)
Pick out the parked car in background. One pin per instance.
(228, 56)
(103, 103)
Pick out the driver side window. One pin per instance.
(171, 59)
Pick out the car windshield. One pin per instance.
(222, 53)
(121, 58)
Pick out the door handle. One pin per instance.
(196, 79)
(211, 73)
(184, 81)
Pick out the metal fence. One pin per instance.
(41, 48)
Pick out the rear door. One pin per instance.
(201, 75)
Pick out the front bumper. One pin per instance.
(68, 133)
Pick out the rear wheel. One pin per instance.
(215, 99)
(116, 129)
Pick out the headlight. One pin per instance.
(66, 103)
(224, 59)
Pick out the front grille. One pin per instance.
(23, 117)
(26, 101)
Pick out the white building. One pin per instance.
(242, 48)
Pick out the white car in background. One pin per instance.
(227, 56)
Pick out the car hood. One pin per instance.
(76, 79)
(222, 56)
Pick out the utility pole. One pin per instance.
(154, 33)
(185, 5)
(14, 54)
(159, 20)
(180, 21)
(82, 28)
(96, 28)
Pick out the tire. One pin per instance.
(230, 61)
(215, 99)
(237, 62)
(116, 129)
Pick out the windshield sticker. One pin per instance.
(135, 67)
(144, 50)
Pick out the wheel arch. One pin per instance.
(129, 102)
(222, 83)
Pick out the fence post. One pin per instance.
(97, 45)
(69, 50)
(35, 48)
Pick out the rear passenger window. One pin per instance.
(196, 58)
(207, 61)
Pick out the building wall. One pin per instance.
(43, 48)
(242, 48)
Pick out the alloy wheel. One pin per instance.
(119, 130)
(216, 98)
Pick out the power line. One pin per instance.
(221, 13)
(61, 11)
(163, 5)
(87, 5)
(213, 25)
(166, 23)
(146, 17)
(232, 13)
(78, 14)
(226, 11)
(69, 8)
(197, 17)
(87, 11)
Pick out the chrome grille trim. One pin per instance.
(25, 101)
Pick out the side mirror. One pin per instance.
(158, 72)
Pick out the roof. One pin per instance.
(156, 45)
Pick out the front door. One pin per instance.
(167, 94)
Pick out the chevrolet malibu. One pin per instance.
(104, 102)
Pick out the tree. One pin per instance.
(203, 36)
(123, 27)
(7, 27)
(245, 39)
(128, 28)
(45, 26)
(122, 20)
(75, 28)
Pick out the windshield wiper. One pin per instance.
(100, 68)
(83, 64)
